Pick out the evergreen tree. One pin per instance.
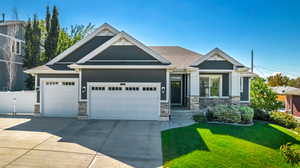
(53, 30)
(28, 45)
(36, 39)
(48, 19)
(47, 45)
(28, 58)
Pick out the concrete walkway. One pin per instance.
(61, 142)
(178, 119)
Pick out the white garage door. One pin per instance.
(59, 97)
(125, 101)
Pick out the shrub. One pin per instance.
(283, 119)
(261, 115)
(233, 114)
(199, 118)
(247, 114)
(226, 113)
(289, 154)
(219, 111)
(297, 129)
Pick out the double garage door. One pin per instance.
(124, 101)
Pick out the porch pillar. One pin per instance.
(194, 90)
(235, 91)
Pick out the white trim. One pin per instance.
(81, 42)
(116, 38)
(248, 75)
(209, 83)
(35, 88)
(2, 60)
(168, 85)
(215, 70)
(80, 74)
(241, 84)
(219, 52)
(75, 66)
(13, 38)
(49, 72)
(122, 61)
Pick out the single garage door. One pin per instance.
(124, 101)
(59, 97)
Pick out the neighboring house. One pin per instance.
(11, 55)
(290, 97)
(111, 75)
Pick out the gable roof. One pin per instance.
(178, 56)
(218, 52)
(129, 39)
(105, 28)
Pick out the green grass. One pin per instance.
(214, 145)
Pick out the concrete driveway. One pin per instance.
(61, 142)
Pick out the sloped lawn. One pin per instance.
(213, 145)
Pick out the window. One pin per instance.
(149, 88)
(16, 47)
(210, 85)
(132, 88)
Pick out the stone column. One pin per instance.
(82, 110)
(37, 111)
(235, 99)
(164, 110)
(194, 103)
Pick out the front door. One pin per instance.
(176, 92)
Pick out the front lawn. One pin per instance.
(215, 145)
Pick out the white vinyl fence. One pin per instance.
(19, 102)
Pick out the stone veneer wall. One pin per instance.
(164, 109)
(206, 102)
(37, 110)
(82, 108)
(194, 102)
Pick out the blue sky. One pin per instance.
(270, 27)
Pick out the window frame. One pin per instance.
(241, 84)
(209, 85)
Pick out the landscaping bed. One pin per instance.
(218, 145)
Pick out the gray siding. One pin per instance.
(124, 75)
(225, 82)
(86, 48)
(19, 75)
(52, 76)
(215, 65)
(126, 52)
(3, 76)
(245, 93)
(17, 83)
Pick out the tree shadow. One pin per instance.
(92, 135)
(180, 141)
